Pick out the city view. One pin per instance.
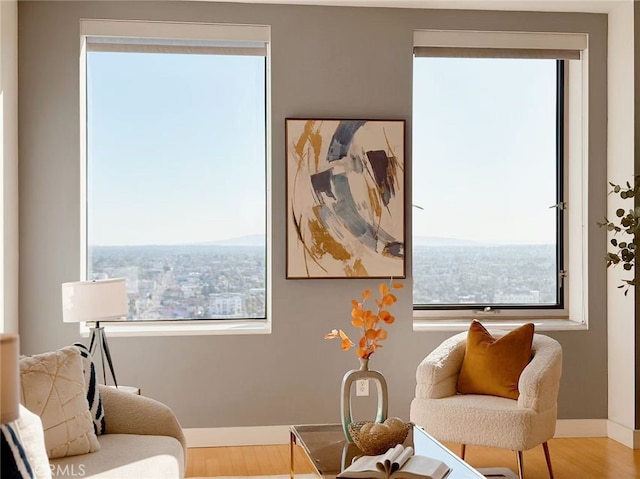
(186, 282)
(500, 274)
(228, 282)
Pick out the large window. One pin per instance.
(490, 202)
(176, 174)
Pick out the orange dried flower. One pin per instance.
(367, 322)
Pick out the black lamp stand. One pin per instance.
(98, 339)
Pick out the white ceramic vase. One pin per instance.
(351, 377)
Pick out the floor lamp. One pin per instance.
(95, 301)
(9, 378)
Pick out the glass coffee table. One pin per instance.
(329, 452)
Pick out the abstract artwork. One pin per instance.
(345, 198)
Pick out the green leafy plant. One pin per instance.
(628, 223)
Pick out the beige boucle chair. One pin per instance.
(473, 419)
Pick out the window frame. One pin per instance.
(573, 187)
(175, 31)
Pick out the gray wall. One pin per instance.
(326, 61)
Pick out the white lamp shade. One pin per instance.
(102, 300)
(9, 392)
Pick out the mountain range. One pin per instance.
(259, 240)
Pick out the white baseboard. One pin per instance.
(581, 428)
(265, 435)
(623, 434)
(236, 436)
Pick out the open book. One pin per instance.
(397, 463)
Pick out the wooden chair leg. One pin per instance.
(520, 466)
(545, 446)
(462, 451)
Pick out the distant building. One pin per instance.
(517, 297)
(255, 303)
(226, 304)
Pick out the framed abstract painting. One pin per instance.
(345, 198)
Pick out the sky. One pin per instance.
(484, 149)
(176, 148)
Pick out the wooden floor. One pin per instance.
(584, 458)
(245, 461)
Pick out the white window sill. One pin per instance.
(181, 328)
(460, 325)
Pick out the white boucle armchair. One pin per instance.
(480, 420)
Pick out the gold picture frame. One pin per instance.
(345, 198)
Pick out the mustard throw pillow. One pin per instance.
(493, 366)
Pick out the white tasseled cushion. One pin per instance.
(29, 428)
